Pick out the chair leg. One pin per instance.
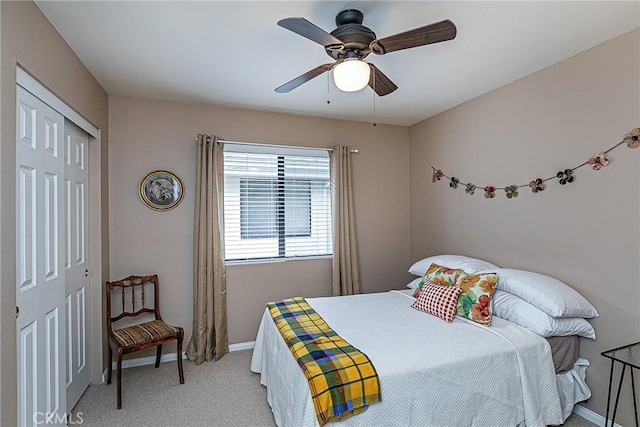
(119, 379)
(179, 356)
(110, 359)
(158, 354)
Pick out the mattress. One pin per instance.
(431, 372)
(564, 351)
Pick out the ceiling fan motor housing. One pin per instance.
(349, 16)
(355, 36)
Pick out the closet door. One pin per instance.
(40, 272)
(76, 257)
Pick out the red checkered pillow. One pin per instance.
(440, 301)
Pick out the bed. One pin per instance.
(520, 367)
(432, 373)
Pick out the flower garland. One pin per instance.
(566, 176)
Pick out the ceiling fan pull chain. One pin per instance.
(328, 84)
(374, 98)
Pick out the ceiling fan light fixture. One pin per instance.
(351, 75)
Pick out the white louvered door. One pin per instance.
(40, 273)
(76, 259)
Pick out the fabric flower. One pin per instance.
(480, 310)
(454, 182)
(446, 271)
(470, 189)
(467, 282)
(598, 161)
(537, 185)
(437, 174)
(489, 285)
(633, 138)
(512, 191)
(565, 176)
(489, 192)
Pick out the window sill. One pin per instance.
(276, 260)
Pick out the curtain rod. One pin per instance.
(222, 141)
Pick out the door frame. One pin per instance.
(96, 321)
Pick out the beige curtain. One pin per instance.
(346, 273)
(209, 338)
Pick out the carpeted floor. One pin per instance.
(223, 393)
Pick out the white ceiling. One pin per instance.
(232, 52)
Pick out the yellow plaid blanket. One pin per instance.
(342, 379)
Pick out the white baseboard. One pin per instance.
(150, 360)
(142, 361)
(589, 415)
(242, 346)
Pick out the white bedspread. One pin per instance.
(432, 373)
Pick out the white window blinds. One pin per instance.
(277, 202)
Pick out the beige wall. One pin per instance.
(585, 233)
(28, 39)
(147, 135)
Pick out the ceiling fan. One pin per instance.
(351, 42)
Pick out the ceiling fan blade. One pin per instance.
(289, 86)
(311, 31)
(380, 83)
(433, 33)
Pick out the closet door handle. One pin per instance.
(17, 311)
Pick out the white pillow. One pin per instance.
(550, 295)
(519, 311)
(468, 264)
(414, 283)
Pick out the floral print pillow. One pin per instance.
(474, 302)
(442, 276)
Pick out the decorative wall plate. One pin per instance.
(161, 190)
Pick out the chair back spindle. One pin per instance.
(138, 304)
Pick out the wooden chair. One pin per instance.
(140, 335)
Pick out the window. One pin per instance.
(277, 202)
(259, 206)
